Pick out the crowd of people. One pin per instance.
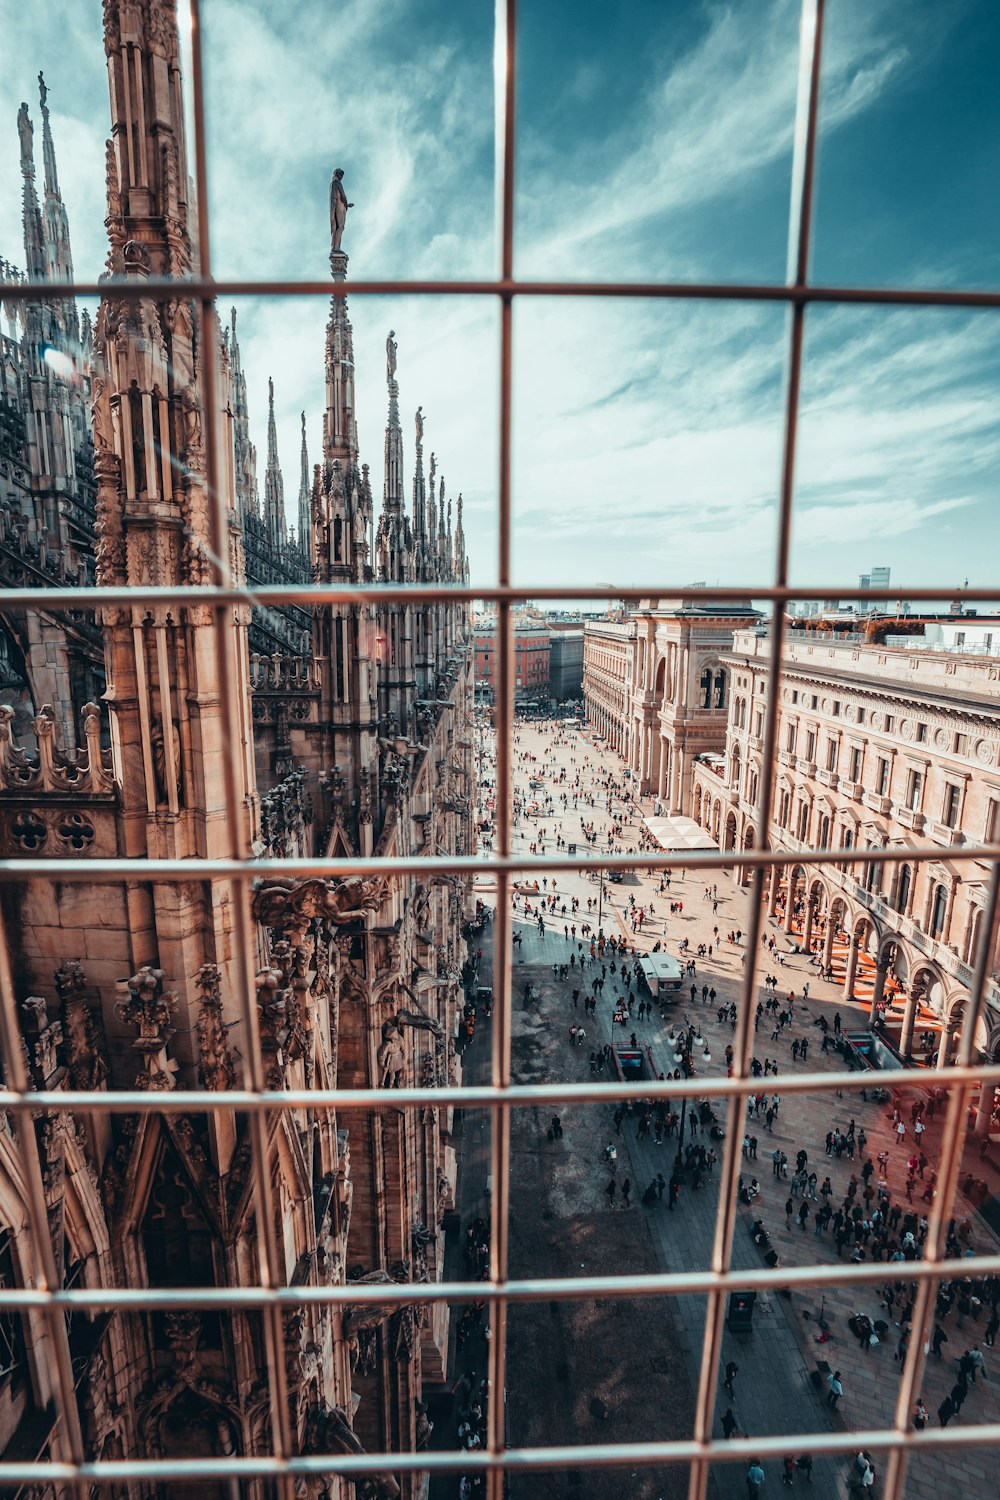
(863, 1186)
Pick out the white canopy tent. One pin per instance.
(679, 833)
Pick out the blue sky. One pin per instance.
(655, 141)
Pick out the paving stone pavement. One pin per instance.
(775, 1392)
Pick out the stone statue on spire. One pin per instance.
(390, 357)
(420, 424)
(338, 209)
(26, 132)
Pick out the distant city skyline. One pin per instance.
(669, 159)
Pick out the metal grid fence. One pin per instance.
(501, 1096)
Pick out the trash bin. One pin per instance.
(740, 1311)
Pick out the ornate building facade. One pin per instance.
(878, 748)
(354, 725)
(654, 684)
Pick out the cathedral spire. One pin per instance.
(460, 568)
(431, 516)
(34, 250)
(392, 494)
(147, 167)
(419, 496)
(442, 536)
(245, 453)
(274, 485)
(55, 224)
(340, 437)
(305, 485)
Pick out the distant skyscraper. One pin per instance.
(877, 578)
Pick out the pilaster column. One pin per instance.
(772, 895)
(852, 968)
(946, 929)
(944, 1050)
(807, 925)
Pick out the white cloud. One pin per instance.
(648, 438)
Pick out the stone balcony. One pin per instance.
(949, 838)
(828, 778)
(853, 791)
(877, 802)
(805, 767)
(908, 817)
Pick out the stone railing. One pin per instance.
(53, 768)
(282, 672)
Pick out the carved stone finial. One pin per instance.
(215, 1064)
(150, 1008)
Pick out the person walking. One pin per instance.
(836, 1390)
(919, 1415)
(732, 1370)
(729, 1424)
(946, 1411)
(611, 1189)
(755, 1479)
(627, 1192)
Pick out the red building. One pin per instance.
(531, 662)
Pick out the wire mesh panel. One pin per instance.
(340, 1099)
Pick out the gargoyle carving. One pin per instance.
(292, 905)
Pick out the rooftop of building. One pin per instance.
(929, 673)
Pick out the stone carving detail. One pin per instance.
(43, 1040)
(87, 1064)
(272, 999)
(328, 1430)
(53, 768)
(286, 813)
(216, 1069)
(150, 1008)
(292, 905)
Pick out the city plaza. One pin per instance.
(780, 1359)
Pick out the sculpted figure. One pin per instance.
(287, 903)
(338, 208)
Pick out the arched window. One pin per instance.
(803, 821)
(938, 910)
(903, 892)
(734, 776)
(824, 832)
